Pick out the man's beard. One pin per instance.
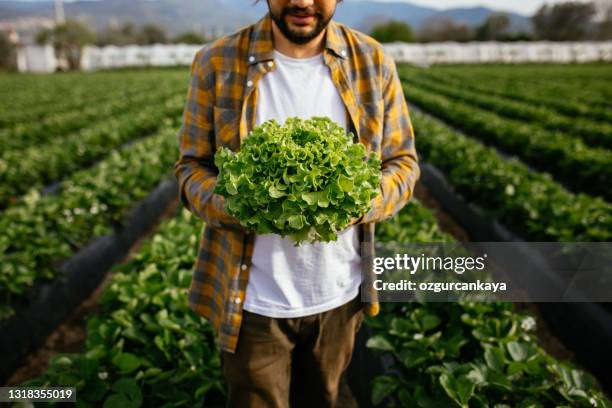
(296, 37)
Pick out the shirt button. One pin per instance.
(249, 83)
(251, 58)
(343, 52)
(243, 267)
(237, 300)
(270, 64)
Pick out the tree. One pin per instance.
(520, 36)
(604, 25)
(189, 37)
(393, 31)
(7, 52)
(570, 21)
(444, 29)
(125, 34)
(493, 28)
(68, 40)
(152, 34)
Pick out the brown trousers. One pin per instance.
(291, 362)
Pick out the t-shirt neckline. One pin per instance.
(308, 60)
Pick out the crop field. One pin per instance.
(83, 155)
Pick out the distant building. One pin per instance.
(36, 58)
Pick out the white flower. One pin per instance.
(528, 323)
(418, 336)
(193, 368)
(103, 375)
(593, 401)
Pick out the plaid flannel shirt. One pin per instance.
(220, 111)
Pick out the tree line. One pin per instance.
(69, 38)
(569, 21)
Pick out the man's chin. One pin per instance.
(301, 29)
(303, 35)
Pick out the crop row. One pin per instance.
(22, 170)
(147, 348)
(15, 117)
(574, 86)
(472, 354)
(145, 345)
(466, 353)
(569, 160)
(31, 98)
(592, 133)
(40, 231)
(509, 90)
(531, 203)
(57, 126)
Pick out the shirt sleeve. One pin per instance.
(195, 169)
(400, 167)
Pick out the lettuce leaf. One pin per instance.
(305, 180)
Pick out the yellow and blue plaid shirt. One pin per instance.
(220, 111)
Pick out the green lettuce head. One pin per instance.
(305, 180)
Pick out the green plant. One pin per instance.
(305, 180)
(35, 166)
(470, 354)
(570, 160)
(39, 232)
(466, 354)
(530, 203)
(145, 347)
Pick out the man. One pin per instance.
(286, 316)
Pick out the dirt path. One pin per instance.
(445, 222)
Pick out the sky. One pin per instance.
(525, 7)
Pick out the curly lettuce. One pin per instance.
(305, 180)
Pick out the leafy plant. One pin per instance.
(596, 134)
(471, 354)
(530, 203)
(145, 347)
(24, 169)
(465, 354)
(305, 180)
(583, 168)
(57, 126)
(39, 232)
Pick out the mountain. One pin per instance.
(228, 15)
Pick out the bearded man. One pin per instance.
(285, 316)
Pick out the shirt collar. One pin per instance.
(261, 42)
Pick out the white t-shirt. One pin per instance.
(289, 281)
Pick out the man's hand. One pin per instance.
(354, 221)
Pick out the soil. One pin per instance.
(445, 222)
(546, 339)
(70, 336)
